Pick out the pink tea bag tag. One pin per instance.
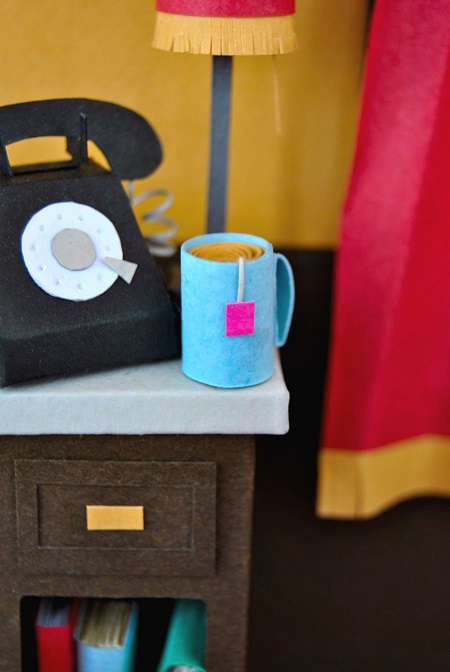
(240, 316)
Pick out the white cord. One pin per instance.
(240, 295)
(158, 242)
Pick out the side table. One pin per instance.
(143, 436)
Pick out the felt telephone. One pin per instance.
(79, 290)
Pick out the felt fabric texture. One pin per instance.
(56, 321)
(227, 8)
(229, 28)
(389, 372)
(240, 318)
(129, 142)
(47, 269)
(153, 398)
(47, 336)
(116, 658)
(184, 647)
(208, 354)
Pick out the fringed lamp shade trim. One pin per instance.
(225, 27)
(220, 36)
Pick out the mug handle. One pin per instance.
(284, 298)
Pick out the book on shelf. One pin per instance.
(54, 628)
(184, 647)
(106, 635)
(100, 635)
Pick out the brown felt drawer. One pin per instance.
(160, 517)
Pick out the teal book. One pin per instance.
(184, 647)
(106, 635)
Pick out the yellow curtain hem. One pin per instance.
(362, 484)
(261, 36)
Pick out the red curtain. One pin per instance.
(386, 434)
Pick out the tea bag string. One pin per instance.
(241, 281)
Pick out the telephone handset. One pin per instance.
(129, 143)
(79, 290)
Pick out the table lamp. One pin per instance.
(223, 29)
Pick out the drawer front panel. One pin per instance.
(174, 501)
(168, 517)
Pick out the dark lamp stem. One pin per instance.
(219, 142)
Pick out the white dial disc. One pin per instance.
(53, 269)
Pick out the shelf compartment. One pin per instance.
(154, 617)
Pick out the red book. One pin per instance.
(54, 626)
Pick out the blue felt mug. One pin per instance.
(235, 308)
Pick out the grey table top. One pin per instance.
(146, 399)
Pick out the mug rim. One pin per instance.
(205, 238)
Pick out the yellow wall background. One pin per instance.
(285, 186)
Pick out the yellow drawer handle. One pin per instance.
(114, 517)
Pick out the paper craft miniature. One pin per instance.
(106, 635)
(386, 435)
(223, 29)
(79, 290)
(238, 298)
(185, 644)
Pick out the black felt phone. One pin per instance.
(79, 290)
